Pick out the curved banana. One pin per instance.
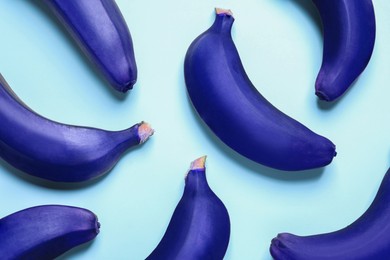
(102, 34)
(238, 114)
(200, 225)
(349, 37)
(45, 232)
(58, 152)
(367, 238)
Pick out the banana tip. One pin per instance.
(124, 88)
(97, 227)
(198, 163)
(322, 96)
(144, 132)
(220, 11)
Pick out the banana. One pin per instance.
(200, 225)
(238, 114)
(58, 152)
(102, 34)
(366, 238)
(349, 38)
(45, 232)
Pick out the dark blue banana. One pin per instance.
(59, 152)
(238, 114)
(45, 232)
(200, 225)
(102, 34)
(365, 239)
(349, 38)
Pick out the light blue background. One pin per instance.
(280, 44)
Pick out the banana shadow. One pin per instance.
(311, 11)
(60, 185)
(328, 106)
(90, 67)
(241, 160)
(75, 251)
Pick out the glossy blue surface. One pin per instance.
(366, 238)
(280, 44)
(227, 101)
(58, 152)
(101, 32)
(200, 225)
(45, 232)
(349, 39)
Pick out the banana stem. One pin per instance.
(223, 11)
(144, 132)
(198, 164)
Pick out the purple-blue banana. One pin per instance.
(349, 37)
(59, 152)
(101, 32)
(45, 232)
(238, 114)
(367, 238)
(200, 225)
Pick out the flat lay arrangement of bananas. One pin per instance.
(231, 107)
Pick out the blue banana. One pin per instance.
(349, 38)
(366, 238)
(238, 114)
(102, 34)
(58, 152)
(45, 232)
(200, 225)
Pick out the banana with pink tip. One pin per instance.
(236, 112)
(58, 152)
(200, 225)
